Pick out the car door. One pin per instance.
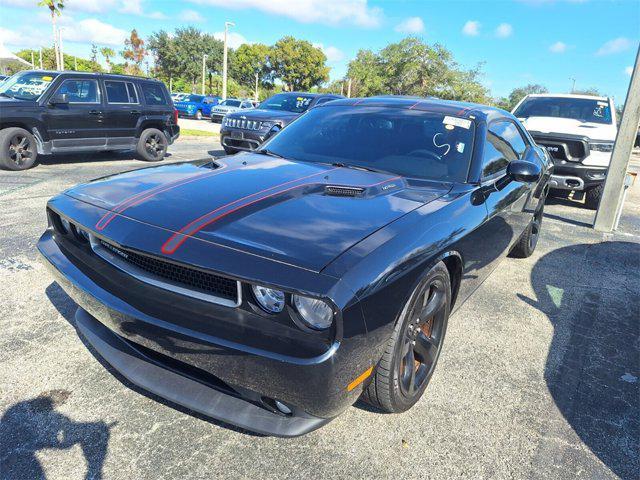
(122, 112)
(505, 198)
(78, 124)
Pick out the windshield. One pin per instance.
(583, 109)
(231, 103)
(26, 85)
(195, 98)
(400, 141)
(289, 102)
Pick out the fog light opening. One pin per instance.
(282, 407)
(276, 406)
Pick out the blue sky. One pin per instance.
(519, 41)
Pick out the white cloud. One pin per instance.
(410, 25)
(330, 12)
(234, 40)
(191, 16)
(91, 30)
(135, 7)
(558, 47)
(89, 6)
(332, 53)
(616, 45)
(25, 38)
(628, 70)
(504, 30)
(471, 28)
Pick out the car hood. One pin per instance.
(266, 206)
(261, 114)
(594, 131)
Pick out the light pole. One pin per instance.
(204, 68)
(60, 48)
(224, 60)
(573, 85)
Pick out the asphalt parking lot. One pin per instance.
(538, 376)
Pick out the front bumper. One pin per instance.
(177, 363)
(576, 176)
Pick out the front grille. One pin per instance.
(244, 123)
(571, 150)
(191, 278)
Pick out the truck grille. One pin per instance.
(243, 123)
(169, 275)
(560, 148)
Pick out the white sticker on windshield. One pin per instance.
(603, 104)
(458, 122)
(460, 147)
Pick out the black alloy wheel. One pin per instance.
(152, 145)
(18, 149)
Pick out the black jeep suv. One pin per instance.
(247, 130)
(44, 112)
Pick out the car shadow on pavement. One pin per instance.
(589, 292)
(88, 157)
(67, 308)
(33, 425)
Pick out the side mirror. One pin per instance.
(59, 99)
(524, 171)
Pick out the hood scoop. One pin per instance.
(342, 191)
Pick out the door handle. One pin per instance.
(95, 112)
(135, 112)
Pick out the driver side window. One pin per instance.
(504, 144)
(80, 91)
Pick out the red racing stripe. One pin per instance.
(171, 245)
(145, 195)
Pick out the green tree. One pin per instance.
(251, 68)
(588, 91)
(518, 94)
(108, 54)
(179, 57)
(412, 67)
(298, 64)
(55, 8)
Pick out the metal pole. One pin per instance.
(60, 49)
(204, 66)
(349, 89)
(75, 63)
(41, 59)
(256, 95)
(613, 194)
(573, 85)
(224, 60)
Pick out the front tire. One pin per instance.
(592, 197)
(408, 363)
(199, 115)
(528, 241)
(152, 145)
(17, 149)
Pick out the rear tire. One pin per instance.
(18, 149)
(528, 241)
(408, 363)
(152, 145)
(592, 197)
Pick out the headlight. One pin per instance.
(316, 313)
(267, 124)
(271, 301)
(601, 146)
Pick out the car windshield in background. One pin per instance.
(400, 141)
(26, 86)
(583, 109)
(287, 102)
(194, 98)
(231, 103)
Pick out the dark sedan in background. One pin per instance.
(272, 289)
(248, 130)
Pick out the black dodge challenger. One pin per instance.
(272, 289)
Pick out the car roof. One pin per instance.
(474, 111)
(114, 76)
(568, 95)
(313, 94)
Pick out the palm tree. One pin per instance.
(55, 7)
(107, 53)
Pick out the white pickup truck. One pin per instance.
(579, 132)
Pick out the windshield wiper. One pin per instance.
(2, 94)
(265, 151)
(360, 167)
